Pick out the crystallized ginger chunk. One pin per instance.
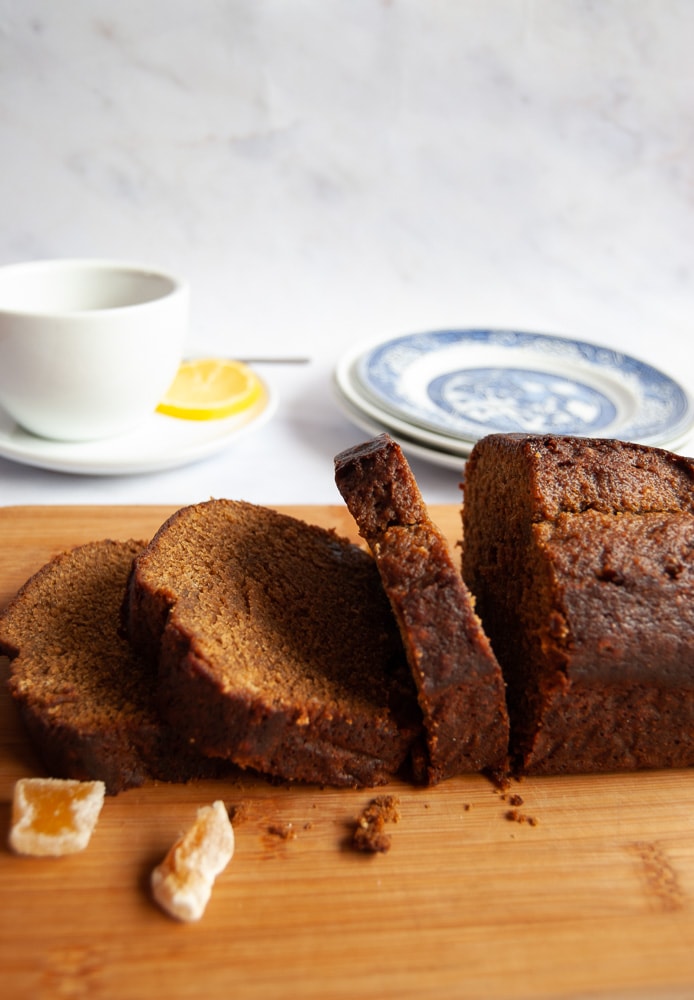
(54, 816)
(182, 883)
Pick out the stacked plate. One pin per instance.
(438, 392)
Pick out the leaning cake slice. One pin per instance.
(459, 682)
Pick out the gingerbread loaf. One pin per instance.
(275, 645)
(581, 555)
(86, 698)
(459, 683)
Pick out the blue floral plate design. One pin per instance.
(463, 384)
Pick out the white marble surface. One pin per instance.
(325, 171)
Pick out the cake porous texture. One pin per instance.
(86, 698)
(581, 555)
(275, 645)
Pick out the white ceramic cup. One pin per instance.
(87, 347)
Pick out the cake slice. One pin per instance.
(87, 700)
(275, 644)
(581, 555)
(459, 682)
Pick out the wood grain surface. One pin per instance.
(593, 898)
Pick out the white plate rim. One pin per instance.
(421, 435)
(159, 444)
(373, 427)
(605, 362)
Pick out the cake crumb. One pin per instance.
(239, 814)
(500, 781)
(284, 831)
(516, 816)
(516, 800)
(369, 834)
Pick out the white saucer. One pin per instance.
(160, 443)
(349, 393)
(468, 383)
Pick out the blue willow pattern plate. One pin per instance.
(468, 383)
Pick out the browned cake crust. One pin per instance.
(459, 682)
(581, 555)
(86, 698)
(275, 643)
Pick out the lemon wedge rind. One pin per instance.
(211, 389)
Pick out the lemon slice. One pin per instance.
(210, 389)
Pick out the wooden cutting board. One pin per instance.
(594, 897)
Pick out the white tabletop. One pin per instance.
(326, 173)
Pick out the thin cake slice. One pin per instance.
(459, 682)
(581, 555)
(87, 700)
(275, 643)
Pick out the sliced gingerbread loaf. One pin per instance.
(581, 555)
(87, 700)
(275, 644)
(459, 682)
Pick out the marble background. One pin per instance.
(326, 171)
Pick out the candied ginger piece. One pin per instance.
(182, 883)
(54, 816)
